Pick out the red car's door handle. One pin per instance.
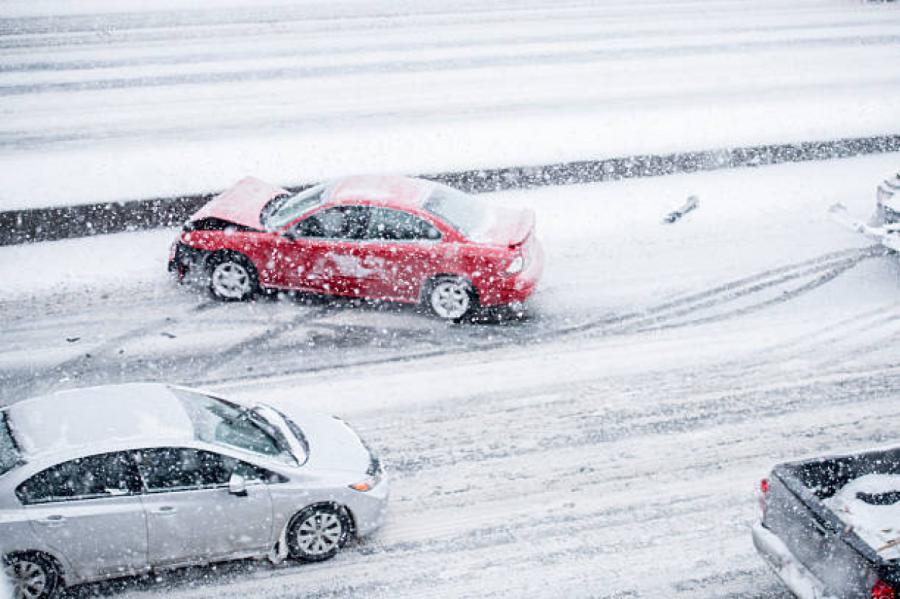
(54, 520)
(166, 510)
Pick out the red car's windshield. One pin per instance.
(463, 212)
(284, 209)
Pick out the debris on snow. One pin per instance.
(689, 205)
(887, 235)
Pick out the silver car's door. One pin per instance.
(191, 515)
(90, 511)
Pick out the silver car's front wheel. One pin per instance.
(232, 278)
(318, 533)
(32, 577)
(451, 298)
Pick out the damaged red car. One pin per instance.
(376, 237)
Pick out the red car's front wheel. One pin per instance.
(232, 277)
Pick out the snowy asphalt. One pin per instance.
(609, 444)
(606, 444)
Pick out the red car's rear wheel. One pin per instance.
(451, 298)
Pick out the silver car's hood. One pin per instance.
(333, 445)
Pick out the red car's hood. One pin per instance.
(241, 204)
(508, 227)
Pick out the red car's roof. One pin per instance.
(380, 189)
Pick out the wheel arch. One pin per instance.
(339, 507)
(213, 257)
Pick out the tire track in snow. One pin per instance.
(312, 341)
(818, 271)
(385, 68)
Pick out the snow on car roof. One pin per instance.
(139, 413)
(381, 189)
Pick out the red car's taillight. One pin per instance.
(883, 590)
(763, 491)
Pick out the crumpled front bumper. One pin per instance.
(186, 262)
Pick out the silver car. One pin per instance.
(118, 480)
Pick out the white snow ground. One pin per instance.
(610, 445)
(619, 461)
(108, 101)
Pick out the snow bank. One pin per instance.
(169, 103)
(866, 505)
(5, 587)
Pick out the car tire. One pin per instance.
(318, 532)
(232, 277)
(32, 575)
(451, 298)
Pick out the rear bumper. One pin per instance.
(792, 573)
(516, 288)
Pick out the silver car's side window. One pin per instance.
(91, 477)
(184, 469)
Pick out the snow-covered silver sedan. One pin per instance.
(116, 480)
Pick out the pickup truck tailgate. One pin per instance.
(815, 538)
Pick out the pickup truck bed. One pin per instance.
(817, 551)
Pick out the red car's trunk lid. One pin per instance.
(241, 204)
(509, 227)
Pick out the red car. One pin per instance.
(376, 237)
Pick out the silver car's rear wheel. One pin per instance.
(32, 577)
(451, 298)
(318, 533)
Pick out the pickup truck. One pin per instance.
(830, 527)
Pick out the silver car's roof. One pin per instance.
(138, 413)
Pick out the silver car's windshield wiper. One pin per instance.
(251, 415)
(299, 447)
(10, 452)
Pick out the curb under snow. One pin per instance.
(47, 224)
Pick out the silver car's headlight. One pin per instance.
(368, 484)
(374, 473)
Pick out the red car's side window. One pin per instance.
(396, 225)
(341, 222)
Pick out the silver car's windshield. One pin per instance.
(9, 451)
(463, 212)
(283, 210)
(223, 423)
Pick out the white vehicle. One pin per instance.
(884, 226)
(117, 480)
(887, 209)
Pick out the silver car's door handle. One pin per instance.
(54, 520)
(166, 510)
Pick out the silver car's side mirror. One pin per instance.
(237, 485)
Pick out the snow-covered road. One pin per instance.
(609, 446)
(108, 101)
